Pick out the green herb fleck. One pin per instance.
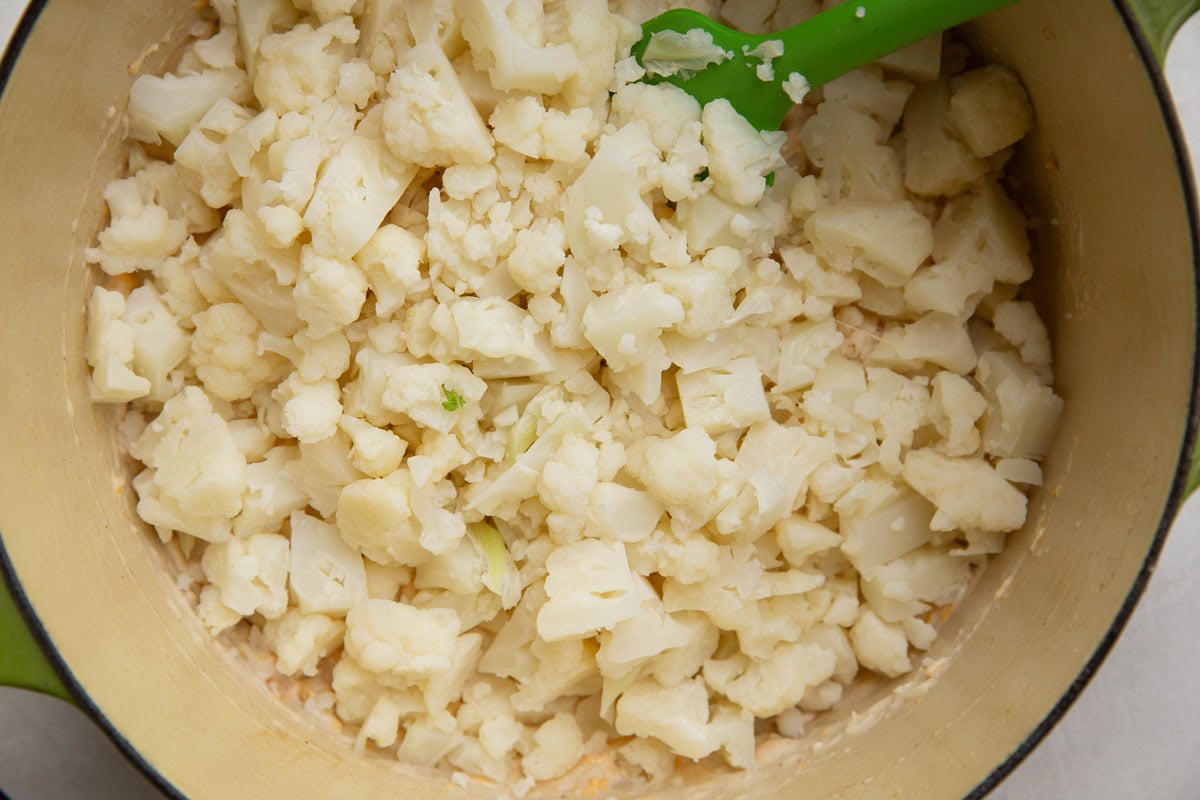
(771, 179)
(454, 401)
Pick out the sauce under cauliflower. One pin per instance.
(544, 411)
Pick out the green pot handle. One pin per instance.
(22, 662)
(1161, 19)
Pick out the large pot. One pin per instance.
(1104, 171)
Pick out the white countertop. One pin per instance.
(1134, 733)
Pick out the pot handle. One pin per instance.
(22, 662)
(1161, 19)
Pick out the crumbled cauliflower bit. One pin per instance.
(356, 189)
(725, 398)
(767, 687)
(301, 640)
(170, 106)
(677, 716)
(625, 327)
(391, 260)
(936, 162)
(967, 492)
(740, 157)
(1022, 412)
(140, 233)
(1018, 322)
(513, 61)
(226, 356)
(436, 396)
(955, 407)
(619, 512)
(989, 109)
(590, 586)
(557, 746)
(395, 638)
(985, 227)
(251, 574)
(673, 53)
(109, 349)
(330, 292)
(357, 83)
(767, 52)
(569, 477)
(311, 410)
(528, 127)
(887, 241)
(195, 475)
(796, 87)
(664, 109)
(428, 118)
(217, 617)
(934, 338)
(680, 470)
(202, 151)
(376, 452)
(537, 256)
(499, 735)
(880, 646)
(301, 68)
(427, 739)
(327, 577)
(375, 518)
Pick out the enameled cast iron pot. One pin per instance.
(1105, 171)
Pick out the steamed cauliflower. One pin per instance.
(540, 420)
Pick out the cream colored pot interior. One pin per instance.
(1117, 284)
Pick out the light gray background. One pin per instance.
(1134, 733)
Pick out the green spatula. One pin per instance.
(709, 61)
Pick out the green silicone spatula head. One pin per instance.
(764, 75)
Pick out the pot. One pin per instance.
(93, 614)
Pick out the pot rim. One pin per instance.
(1175, 499)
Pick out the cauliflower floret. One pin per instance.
(680, 470)
(140, 233)
(538, 254)
(159, 344)
(428, 739)
(109, 349)
(1020, 325)
(428, 118)
(215, 616)
(271, 494)
(569, 477)
(989, 109)
(937, 338)
(195, 475)
(625, 327)
(376, 452)
(985, 227)
(375, 518)
(739, 157)
(357, 188)
(301, 640)
(1022, 412)
(528, 127)
(954, 409)
(436, 396)
(664, 109)
(557, 746)
(513, 61)
(880, 646)
(767, 687)
(676, 716)
(887, 241)
(301, 67)
(725, 398)
(391, 261)
(330, 292)
(954, 286)
(251, 574)
(590, 586)
(327, 577)
(497, 332)
(226, 356)
(311, 410)
(615, 511)
(968, 493)
(936, 162)
(170, 106)
(396, 638)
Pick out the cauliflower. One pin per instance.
(109, 350)
(299, 69)
(532, 130)
(1022, 413)
(625, 327)
(968, 493)
(557, 746)
(327, 577)
(677, 716)
(725, 398)
(989, 109)
(740, 157)
(159, 343)
(195, 475)
(251, 574)
(955, 408)
(330, 292)
(391, 260)
(428, 118)
(140, 233)
(395, 638)
(514, 62)
(171, 106)
(936, 162)
(375, 517)
(681, 471)
(311, 411)
(225, 353)
(589, 586)
(664, 109)
(880, 646)
(436, 396)
(300, 641)
(886, 241)
(617, 512)
(569, 477)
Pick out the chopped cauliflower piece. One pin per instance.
(109, 350)
(677, 716)
(301, 640)
(557, 746)
(327, 577)
(251, 574)
(880, 646)
(968, 493)
(395, 638)
(740, 157)
(989, 109)
(513, 61)
(590, 586)
(725, 398)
